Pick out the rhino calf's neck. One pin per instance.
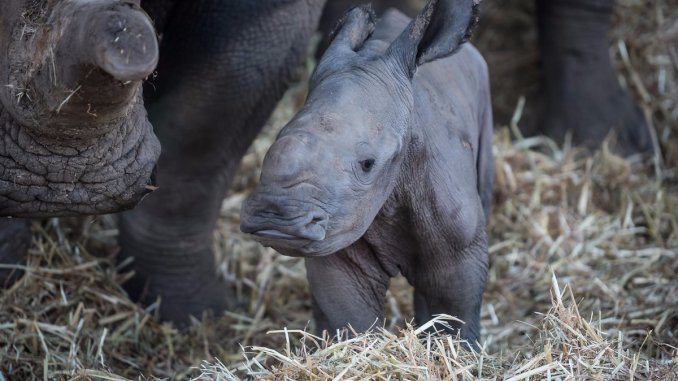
(386, 169)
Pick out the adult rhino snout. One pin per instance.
(85, 69)
(115, 36)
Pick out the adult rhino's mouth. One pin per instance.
(110, 174)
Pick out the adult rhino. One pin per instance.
(76, 140)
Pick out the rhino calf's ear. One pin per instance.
(354, 27)
(351, 32)
(436, 32)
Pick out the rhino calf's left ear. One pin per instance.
(354, 27)
(437, 31)
(351, 32)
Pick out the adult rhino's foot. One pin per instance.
(581, 92)
(15, 239)
(173, 266)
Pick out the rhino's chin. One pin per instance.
(299, 247)
(274, 234)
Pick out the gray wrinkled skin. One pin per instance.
(74, 137)
(386, 169)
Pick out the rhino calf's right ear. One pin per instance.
(437, 31)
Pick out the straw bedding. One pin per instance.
(582, 284)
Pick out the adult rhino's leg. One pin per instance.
(223, 66)
(15, 238)
(348, 287)
(581, 92)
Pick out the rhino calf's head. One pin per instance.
(74, 136)
(337, 161)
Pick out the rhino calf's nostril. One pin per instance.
(317, 219)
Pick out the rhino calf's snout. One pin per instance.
(275, 223)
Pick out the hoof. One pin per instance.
(182, 292)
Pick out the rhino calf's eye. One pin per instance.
(367, 165)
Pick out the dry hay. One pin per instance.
(604, 226)
(569, 346)
(617, 250)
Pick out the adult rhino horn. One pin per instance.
(123, 42)
(116, 36)
(98, 52)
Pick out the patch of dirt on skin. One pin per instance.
(25, 53)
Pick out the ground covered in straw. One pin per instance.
(582, 283)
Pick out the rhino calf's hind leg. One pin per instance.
(453, 284)
(15, 239)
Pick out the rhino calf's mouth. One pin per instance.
(272, 233)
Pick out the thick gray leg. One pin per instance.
(420, 308)
(15, 239)
(223, 66)
(347, 287)
(580, 89)
(453, 285)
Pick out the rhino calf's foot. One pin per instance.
(348, 288)
(15, 239)
(453, 286)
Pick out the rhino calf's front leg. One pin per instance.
(348, 287)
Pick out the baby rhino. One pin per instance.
(386, 169)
